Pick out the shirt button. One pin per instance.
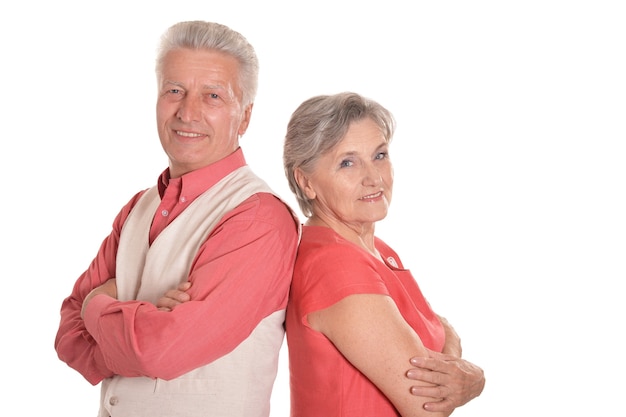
(114, 400)
(164, 213)
(183, 199)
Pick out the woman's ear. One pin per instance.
(304, 183)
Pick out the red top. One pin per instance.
(240, 275)
(329, 268)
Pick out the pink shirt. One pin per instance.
(240, 275)
(329, 268)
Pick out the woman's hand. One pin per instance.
(456, 381)
(174, 297)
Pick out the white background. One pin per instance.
(510, 178)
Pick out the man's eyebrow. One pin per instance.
(228, 91)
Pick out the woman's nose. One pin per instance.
(371, 175)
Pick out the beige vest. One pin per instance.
(237, 384)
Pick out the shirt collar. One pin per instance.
(196, 182)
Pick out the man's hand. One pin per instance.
(172, 298)
(108, 288)
(456, 380)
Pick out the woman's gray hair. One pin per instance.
(214, 36)
(318, 125)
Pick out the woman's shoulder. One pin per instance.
(330, 267)
(324, 239)
(321, 247)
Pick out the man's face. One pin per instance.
(199, 111)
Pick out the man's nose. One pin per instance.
(190, 109)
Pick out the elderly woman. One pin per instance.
(355, 314)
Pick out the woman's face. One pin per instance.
(352, 183)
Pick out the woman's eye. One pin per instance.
(345, 163)
(381, 155)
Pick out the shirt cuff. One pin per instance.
(93, 312)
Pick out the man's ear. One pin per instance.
(245, 122)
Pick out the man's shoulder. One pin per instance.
(264, 207)
(269, 205)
